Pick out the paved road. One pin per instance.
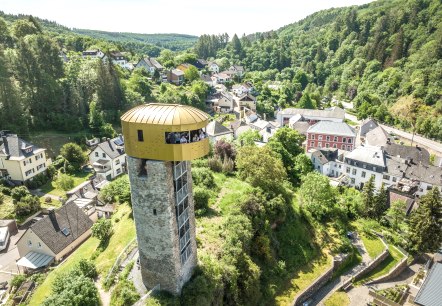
(322, 295)
(431, 144)
(8, 257)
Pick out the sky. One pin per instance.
(173, 16)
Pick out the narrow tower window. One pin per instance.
(154, 212)
(140, 135)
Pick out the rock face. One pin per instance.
(164, 216)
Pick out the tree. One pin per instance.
(73, 154)
(396, 213)
(380, 202)
(317, 196)
(87, 268)
(425, 225)
(102, 229)
(191, 74)
(306, 102)
(260, 168)
(368, 198)
(407, 109)
(248, 138)
(20, 192)
(96, 121)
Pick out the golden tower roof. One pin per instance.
(165, 114)
(170, 132)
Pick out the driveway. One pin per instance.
(8, 257)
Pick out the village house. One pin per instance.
(221, 78)
(118, 59)
(241, 89)
(20, 160)
(175, 76)
(367, 125)
(207, 79)
(150, 64)
(237, 70)
(213, 67)
(53, 237)
(246, 101)
(183, 67)
(329, 162)
(85, 195)
(311, 116)
(200, 63)
(95, 53)
(216, 131)
(108, 158)
(223, 102)
(377, 137)
(328, 134)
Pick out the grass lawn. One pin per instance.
(124, 232)
(338, 299)
(51, 187)
(373, 245)
(304, 278)
(54, 140)
(385, 266)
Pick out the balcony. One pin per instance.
(102, 166)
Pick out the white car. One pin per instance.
(4, 238)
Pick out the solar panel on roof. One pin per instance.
(119, 142)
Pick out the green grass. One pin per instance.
(351, 261)
(124, 232)
(373, 245)
(338, 299)
(237, 189)
(54, 140)
(385, 266)
(52, 188)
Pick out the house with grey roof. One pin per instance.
(150, 64)
(216, 131)
(377, 137)
(430, 293)
(20, 160)
(175, 76)
(329, 162)
(312, 116)
(367, 125)
(53, 237)
(329, 134)
(108, 158)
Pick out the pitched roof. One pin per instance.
(369, 155)
(177, 72)
(367, 125)
(333, 112)
(301, 127)
(68, 219)
(261, 124)
(377, 137)
(214, 128)
(13, 146)
(332, 128)
(425, 173)
(113, 147)
(416, 154)
(430, 294)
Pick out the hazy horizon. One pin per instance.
(193, 17)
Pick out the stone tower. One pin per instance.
(160, 141)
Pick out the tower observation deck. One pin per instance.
(160, 140)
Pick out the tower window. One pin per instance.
(154, 212)
(142, 170)
(140, 135)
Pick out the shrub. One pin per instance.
(201, 197)
(124, 293)
(117, 191)
(199, 163)
(5, 190)
(20, 192)
(2, 198)
(73, 154)
(87, 268)
(102, 229)
(17, 280)
(228, 165)
(37, 181)
(203, 177)
(27, 205)
(64, 182)
(215, 164)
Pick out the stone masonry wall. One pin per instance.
(153, 203)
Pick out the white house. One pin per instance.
(118, 59)
(95, 53)
(221, 78)
(225, 102)
(216, 131)
(238, 70)
(241, 89)
(108, 158)
(329, 162)
(312, 116)
(150, 64)
(213, 67)
(20, 160)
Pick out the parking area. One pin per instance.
(8, 258)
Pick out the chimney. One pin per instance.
(51, 214)
(5, 142)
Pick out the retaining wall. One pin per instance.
(319, 282)
(395, 271)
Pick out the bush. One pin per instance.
(73, 154)
(20, 192)
(201, 197)
(37, 181)
(2, 198)
(203, 177)
(87, 268)
(117, 191)
(5, 190)
(199, 163)
(102, 229)
(124, 294)
(215, 164)
(64, 182)
(27, 205)
(18, 280)
(228, 165)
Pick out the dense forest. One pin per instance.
(372, 54)
(40, 92)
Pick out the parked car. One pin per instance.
(4, 238)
